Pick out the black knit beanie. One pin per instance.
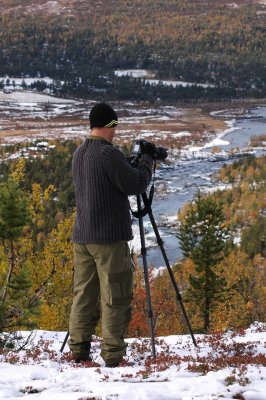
(103, 116)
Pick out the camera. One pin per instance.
(142, 146)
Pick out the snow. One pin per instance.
(181, 134)
(29, 98)
(176, 83)
(217, 188)
(150, 239)
(134, 73)
(233, 5)
(216, 142)
(50, 375)
(142, 73)
(44, 144)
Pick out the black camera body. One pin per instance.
(142, 146)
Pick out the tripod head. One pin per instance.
(139, 148)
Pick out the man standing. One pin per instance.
(103, 179)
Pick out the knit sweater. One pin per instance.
(103, 179)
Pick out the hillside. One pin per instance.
(94, 7)
(80, 44)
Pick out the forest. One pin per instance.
(189, 41)
(36, 221)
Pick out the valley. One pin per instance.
(199, 139)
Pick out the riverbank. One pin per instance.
(195, 168)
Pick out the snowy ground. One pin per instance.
(228, 366)
(26, 97)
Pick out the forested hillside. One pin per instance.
(80, 45)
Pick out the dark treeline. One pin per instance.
(176, 40)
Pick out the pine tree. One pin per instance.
(16, 307)
(203, 238)
(13, 217)
(253, 237)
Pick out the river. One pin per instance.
(185, 178)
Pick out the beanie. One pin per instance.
(103, 116)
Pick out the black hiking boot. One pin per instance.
(79, 358)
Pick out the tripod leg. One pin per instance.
(64, 342)
(146, 277)
(160, 244)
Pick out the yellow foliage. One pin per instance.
(4, 264)
(36, 205)
(237, 309)
(244, 296)
(54, 266)
(19, 170)
(259, 295)
(39, 199)
(40, 196)
(48, 192)
(53, 317)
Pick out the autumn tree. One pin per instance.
(167, 317)
(238, 308)
(139, 323)
(203, 238)
(253, 238)
(52, 274)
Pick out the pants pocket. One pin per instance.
(121, 287)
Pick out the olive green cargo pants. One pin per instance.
(103, 276)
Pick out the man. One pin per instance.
(103, 179)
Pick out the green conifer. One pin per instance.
(203, 239)
(16, 306)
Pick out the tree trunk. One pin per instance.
(206, 315)
(10, 271)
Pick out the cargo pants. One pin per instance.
(103, 277)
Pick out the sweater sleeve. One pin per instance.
(127, 179)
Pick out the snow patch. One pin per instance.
(147, 76)
(181, 134)
(58, 379)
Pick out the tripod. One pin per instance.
(147, 201)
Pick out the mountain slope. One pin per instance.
(83, 42)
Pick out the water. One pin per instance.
(185, 179)
(253, 125)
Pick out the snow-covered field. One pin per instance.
(26, 97)
(223, 366)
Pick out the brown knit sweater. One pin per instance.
(103, 179)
